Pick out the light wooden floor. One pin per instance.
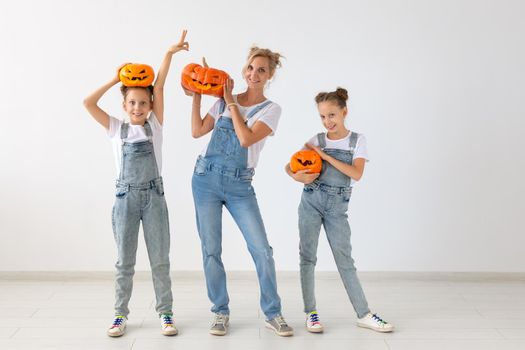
(430, 310)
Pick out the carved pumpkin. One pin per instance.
(204, 80)
(306, 160)
(135, 74)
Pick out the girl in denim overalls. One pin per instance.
(139, 192)
(223, 176)
(325, 202)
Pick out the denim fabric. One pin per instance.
(140, 197)
(221, 178)
(325, 203)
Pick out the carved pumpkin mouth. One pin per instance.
(305, 162)
(206, 86)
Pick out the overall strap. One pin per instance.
(257, 109)
(322, 140)
(222, 107)
(353, 142)
(124, 131)
(147, 129)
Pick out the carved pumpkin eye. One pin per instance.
(203, 80)
(135, 74)
(306, 160)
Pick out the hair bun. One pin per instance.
(342, 93)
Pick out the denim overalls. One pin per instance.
(140, 196)
(325, 202)
(220, 178)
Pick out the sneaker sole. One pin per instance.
(115, 335)
(219, 333)
(282, 334)
(170, 333)
(315, 330)
(380, 330)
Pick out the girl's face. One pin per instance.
(332, 117)
(257, 72)
(137, 105)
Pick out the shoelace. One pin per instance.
(167, 320)
(378, 319)
(314, 318)
(280, 320)
(117, 321)
(220, 319)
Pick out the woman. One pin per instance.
(223, 175)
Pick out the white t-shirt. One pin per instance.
(136, 133)
(269, 115)
(360, 151)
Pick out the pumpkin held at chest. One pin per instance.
(306, 160)
(204, 80)
(135, 74)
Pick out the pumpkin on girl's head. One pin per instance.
(306, 160)
(135, 74)
(204, 80)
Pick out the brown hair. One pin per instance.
(274, 58)
(339, 96)
(124, 90)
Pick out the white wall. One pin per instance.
(436, 86)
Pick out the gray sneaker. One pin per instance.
(280, 326)
(220, 324)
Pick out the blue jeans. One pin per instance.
(146, 203)
(327, 207)
(213, 187)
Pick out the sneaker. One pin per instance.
(375, 323)
(220, 324)
(312, 322)
(280, 326)
(167, 326)
(118, 326)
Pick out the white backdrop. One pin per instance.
(437, 87)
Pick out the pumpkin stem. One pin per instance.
(204, 63)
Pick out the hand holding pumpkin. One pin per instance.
(228, 89)
(305, 176)
(318, 150)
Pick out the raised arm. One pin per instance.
(91, 102)
(158, 86)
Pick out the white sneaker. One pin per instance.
(279, 326)
(374, 322)
(313, 324)
(167, 326)
(220, 324)
(118, 326)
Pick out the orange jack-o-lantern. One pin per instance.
(135, 74)
(306, 160)
(204, 80)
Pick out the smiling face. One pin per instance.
(333, 118)
(257, 72)
(137, 104)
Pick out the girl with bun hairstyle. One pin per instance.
(325, 201)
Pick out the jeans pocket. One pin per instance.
(200, 169)
(159, 187)
(121, 191)
(346, 196)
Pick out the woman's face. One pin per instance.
(257, 72)
(332, 116)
